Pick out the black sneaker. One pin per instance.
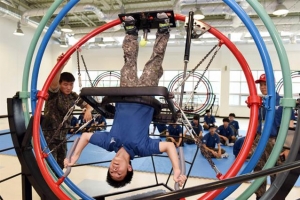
(163, 23)
(129, 24)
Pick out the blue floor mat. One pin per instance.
(200, 168)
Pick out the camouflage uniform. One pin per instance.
(56, 107)
(208, 154)
(262, 161)
(153, 69)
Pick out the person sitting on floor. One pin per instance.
(226, 133)
(196, 127)
(100, 123)
(74, 125)
(162, 128)
(174, 134)
(238, 146)
(234, 125)
(209, 142)
(208, 119)
(129, 134)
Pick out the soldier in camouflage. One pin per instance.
(61, 98)
(272, 138)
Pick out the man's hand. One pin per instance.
(87, 116)
(179, 178)
(70, 163)
(285, 153)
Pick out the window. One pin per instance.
(238, 86)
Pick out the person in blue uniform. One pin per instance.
(129, 135)
(174, 134)
(197, 129)
(100, 123)
(209, 142)
(208, 119)
(234, 124)
(162, 128)
(74, 124)
(226, 133)
(238, 146)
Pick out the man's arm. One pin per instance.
(170, 149)
(55, 82)
(83, 141)
(88, 113)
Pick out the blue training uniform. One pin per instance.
(211, 140)
(129, 130)
(161, 127)
(235, 125)
(197, 127)
(174, 131)
(237, 146)
(227, 132)
(209, 120)
(277, 119)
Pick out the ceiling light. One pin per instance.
(66, 27)
(63, 44)
(198, 14)
(63, 40)
(280, 10)
(19, 31)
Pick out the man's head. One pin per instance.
(225, 121)
(211, 129)
(119, 173)
(231, 116)
(66, 82)
(262, 84)
(196, 119)
(208, 112)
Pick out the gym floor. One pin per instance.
(91, 179)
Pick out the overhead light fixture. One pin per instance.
(64, 44)
(198, 14)
(63, 40)
(66, 27)
(280, 9)
(19, 31)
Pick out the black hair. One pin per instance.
(207, 111)
(231, 115)
(66, 76)
(211, 126)
(226, 119)
(122, 183)
(196, 117)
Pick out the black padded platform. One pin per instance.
(147, 19)
(125, 91)
(142, 95)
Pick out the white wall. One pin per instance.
(14, 50)
(13, 55)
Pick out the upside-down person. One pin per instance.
(129, 135)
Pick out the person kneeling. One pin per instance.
(209, 142)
